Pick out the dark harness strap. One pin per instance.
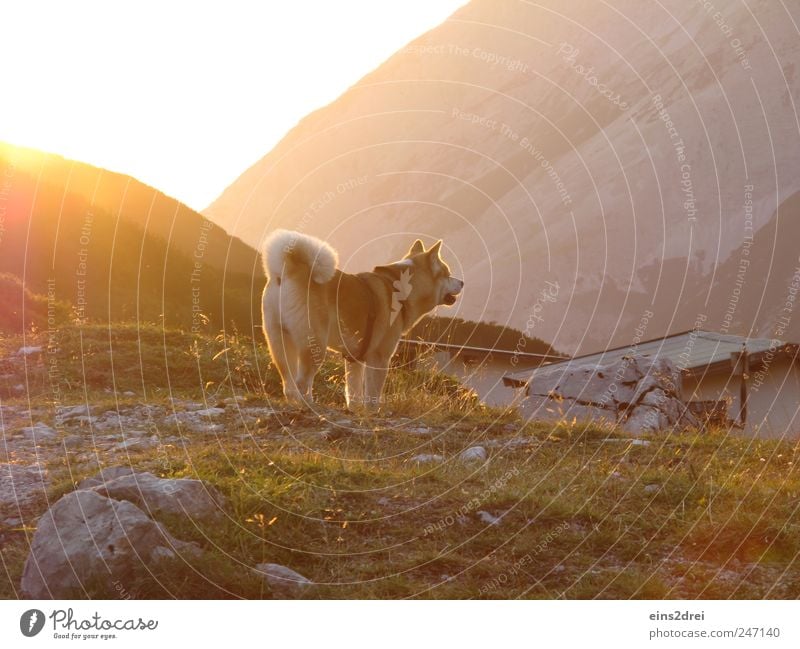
(371, 315)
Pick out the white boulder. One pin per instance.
(638, 393)
(88, 541)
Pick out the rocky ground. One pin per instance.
(184, 495)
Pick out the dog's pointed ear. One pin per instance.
(435, 249)
(415, 249)
(392, 269)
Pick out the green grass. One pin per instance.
(689, 515)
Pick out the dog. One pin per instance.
(310, 306)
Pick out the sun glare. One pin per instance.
(186, 96)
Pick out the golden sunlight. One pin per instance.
(184, 95)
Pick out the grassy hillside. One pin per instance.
(559, 510)
(118, 250)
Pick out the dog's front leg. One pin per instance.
(373, 384)
(354, 390)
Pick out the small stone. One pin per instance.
(27, 351)
(67, 413)
(132, 443)
(128, 393)
(473, 454)
(422, 431)
(39, 432)
(632, 442)
(489, 519)
(210, 412)
(209, 429)
(652, 488)
(283, 581)
(426, 458)
(161, 553)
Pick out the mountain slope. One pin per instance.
(609, 148)
(116, 249)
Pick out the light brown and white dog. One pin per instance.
(309, 306)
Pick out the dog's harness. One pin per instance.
(371, 314)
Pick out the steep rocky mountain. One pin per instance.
(627, 152)
(113, 249)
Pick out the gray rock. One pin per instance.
(210, 412)
(489, 519)
(639, 393)
(88, 541)
(27, 351)
(283, 581)
(652, 488)
(67, 413)
(21, 485)
(73, 441)
(132, 444)
(105, 476)
(208, 429)
(473, 454)
(39, 432)
(426, 458)
(645, 419)
(632, 442)
(422, 431)
(176, 497)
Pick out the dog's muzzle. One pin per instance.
(449, 299)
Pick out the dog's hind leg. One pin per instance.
(284, 355)
(281, 347)
(311, 357)
(354, 390)
(375, 377)
(311, 347)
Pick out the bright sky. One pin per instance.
(186, 95)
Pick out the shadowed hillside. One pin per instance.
(118, 250)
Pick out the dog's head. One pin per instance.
(444, 287)
(422, 280)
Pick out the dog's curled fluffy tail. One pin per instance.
(284, 250)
